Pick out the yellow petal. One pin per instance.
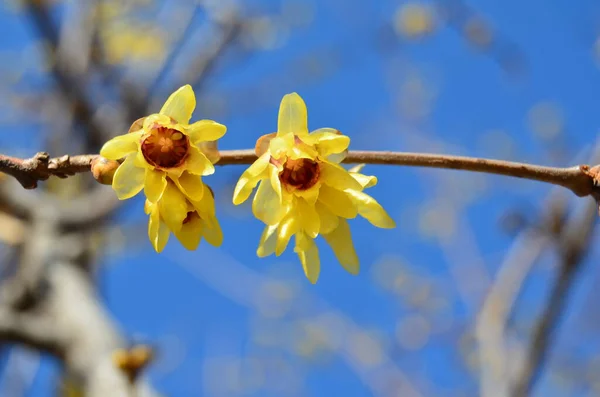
(371, 210)
(275, 182)
(364, 180)
(309, 257)
(357, 168)
(205, 206)
(197, 163)
(190, 185)
(173, 207)
(212, 232)
(267, 205)
(309, 218)
(148, 207)
(154, 184)
(121, 146)
(158, 232)
(157, 119)
(327, 219)
(140, 161)
(311, 194)
(267, 243)
(205, 131)
(180, 105)
(190, 234)
(287, 228)
(249, 179)
(337, 177)
(281, 146)
(337, 202)
(128, 179)
(292, 115)
(329, 142)
(340, 241)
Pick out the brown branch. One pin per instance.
(40, 167)
(581, 180)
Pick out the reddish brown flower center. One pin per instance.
(300, 174)
(165, 147)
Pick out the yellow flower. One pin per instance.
(304, 192)
(163, 147)
(190, 220)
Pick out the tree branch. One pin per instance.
(574, 245)
(40, 167)
(581, 180)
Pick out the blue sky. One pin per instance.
(222, 312)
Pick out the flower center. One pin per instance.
(301, 174)
(165, 147)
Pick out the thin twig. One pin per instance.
(579, 179)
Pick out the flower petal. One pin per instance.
(337, 177)
(311, 194)
(287, 228)
(309, 257)
(327, 219)
(337, 202)
(154, 184)
(158, 232)
(292, 116)
(364, 180)
(180, 105)
(205, 131)
(275, 182)
(197, 163)
(309, 218)
(329, 141)
(212, 232)
(249, 179)
(190, 234)
(340, 241)
(268, 241)
(173, 207)
(128, 179)
(120, 146)
(267, 205)
(371, 210)
(190, 185)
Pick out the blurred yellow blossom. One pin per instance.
(303, 191)
(414, 20)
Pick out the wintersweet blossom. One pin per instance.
(165, 147)
(304, 192)
(189, 220)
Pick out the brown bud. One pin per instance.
(104, 169)
(137, 125)
(262, 144)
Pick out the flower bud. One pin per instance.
(104, 169)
